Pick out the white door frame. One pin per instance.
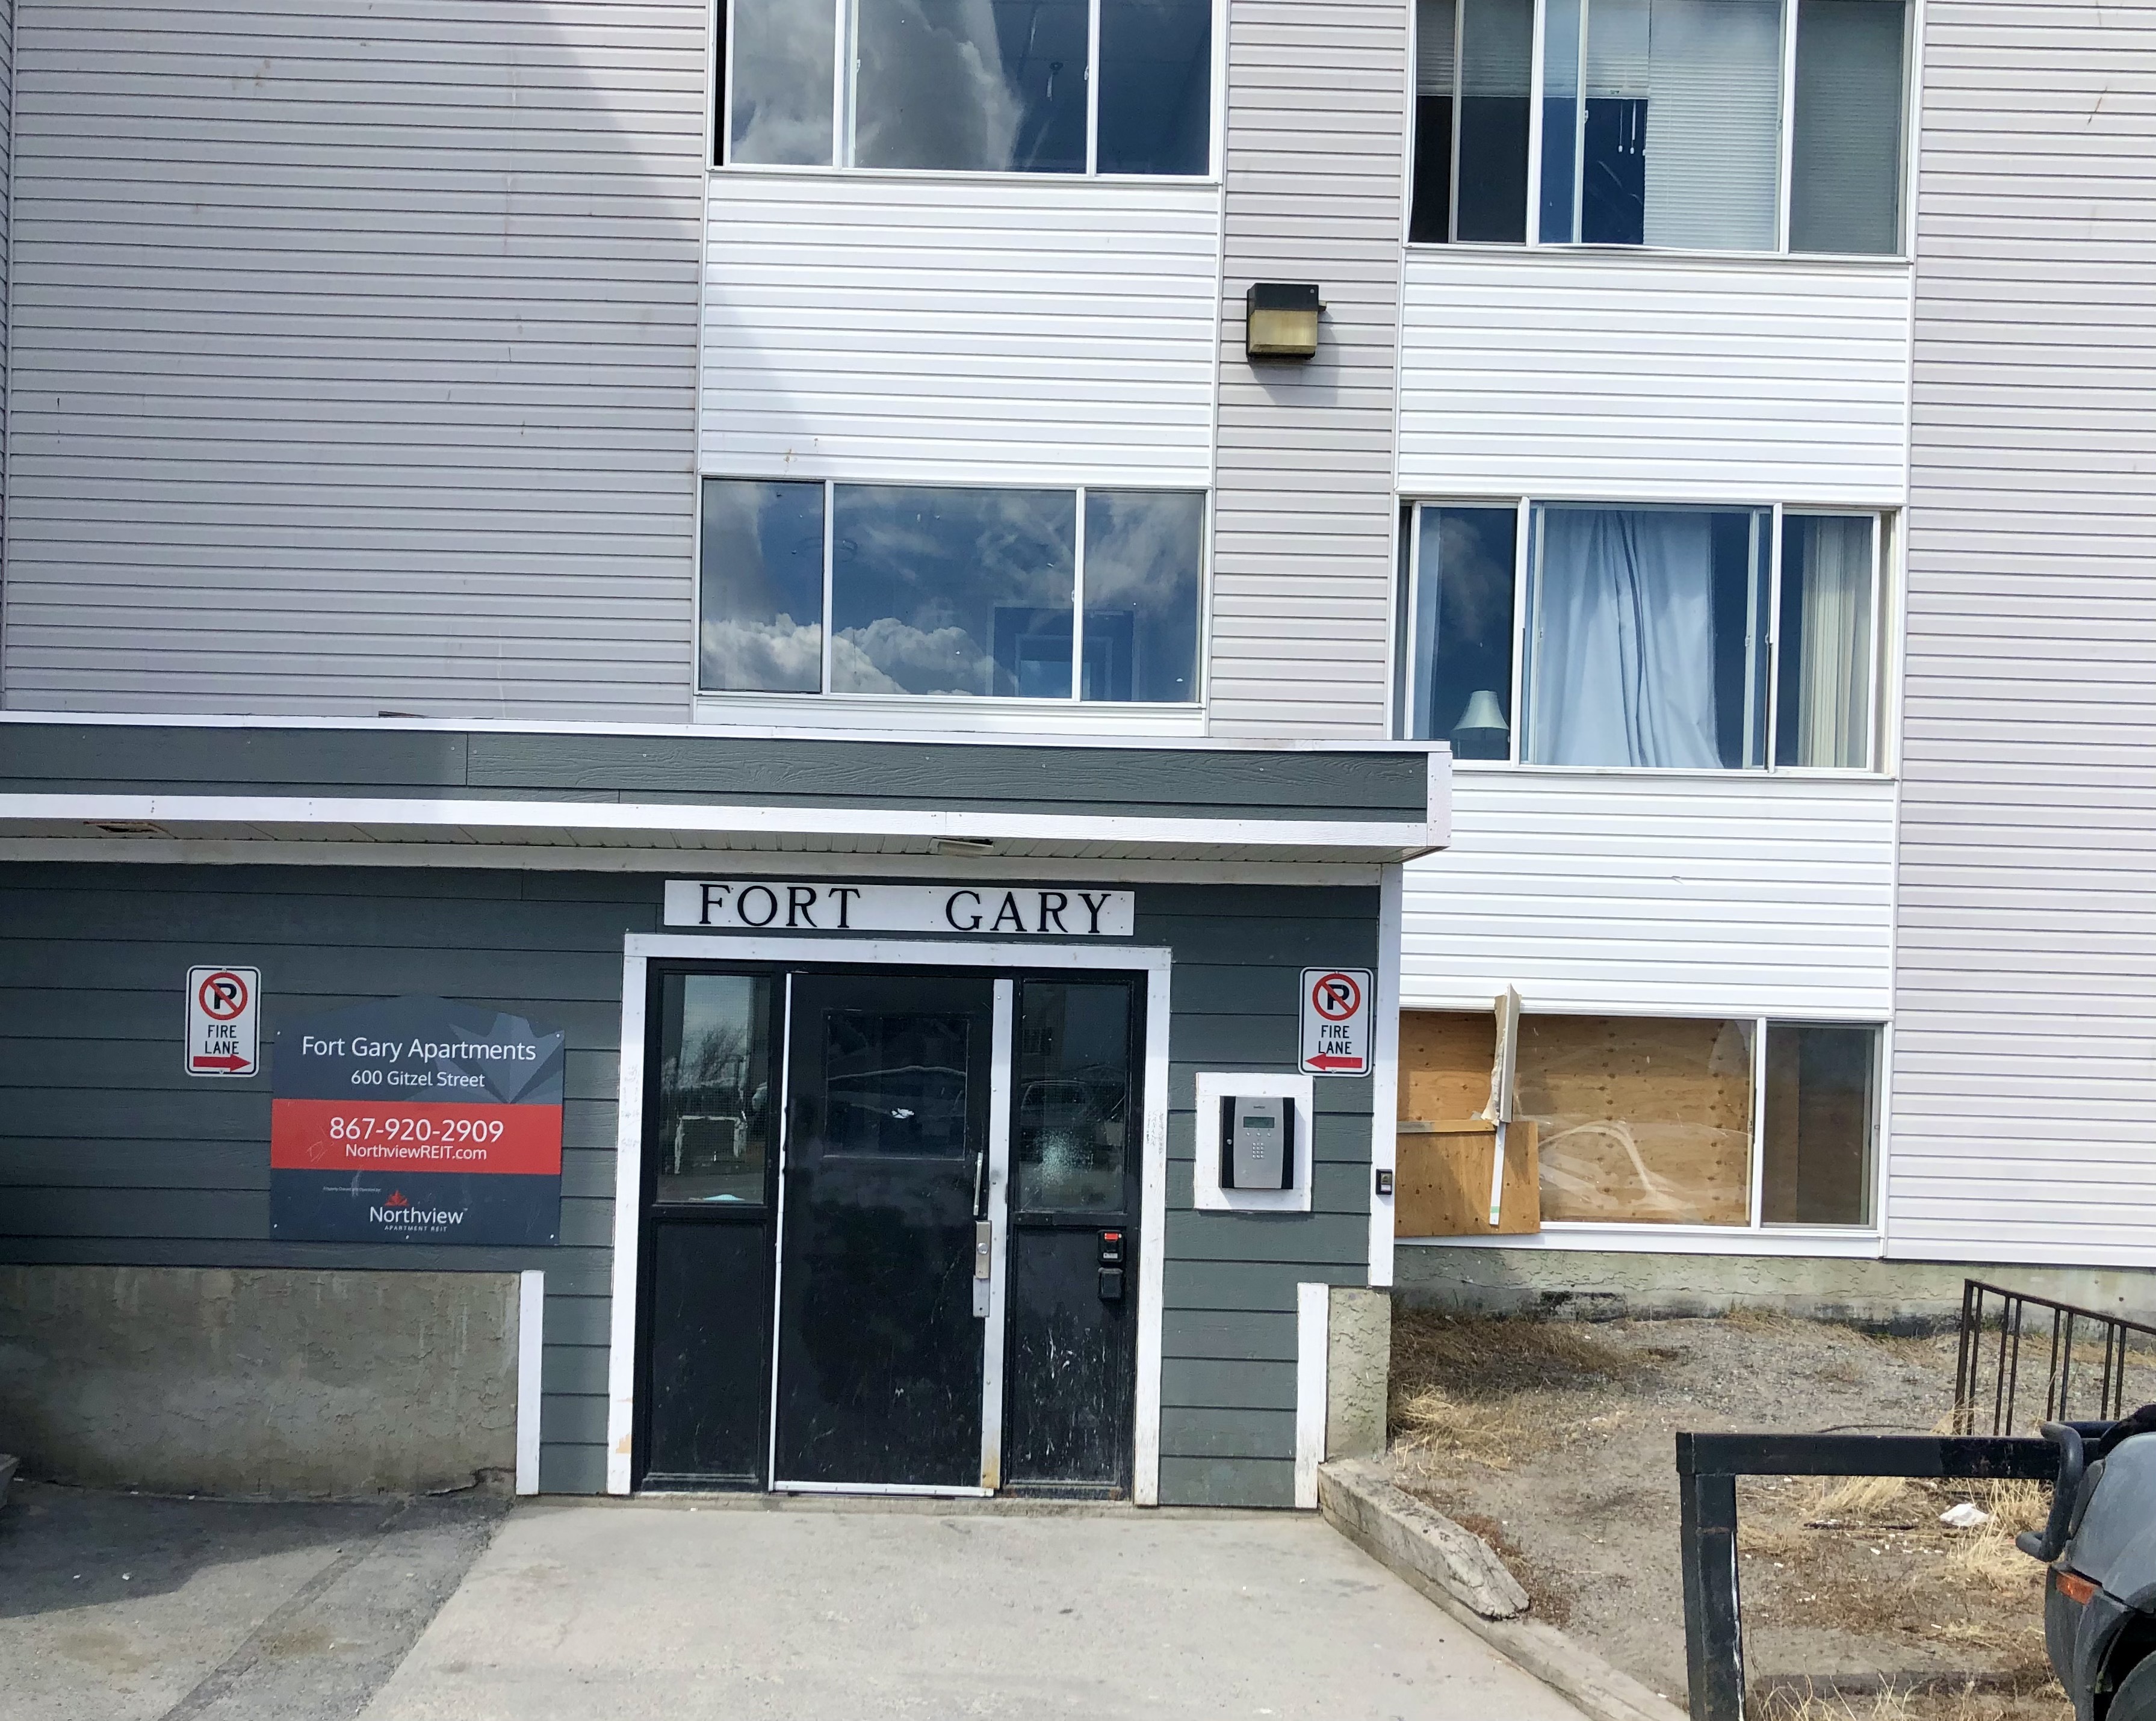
(639, 949)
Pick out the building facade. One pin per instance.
(490, 487)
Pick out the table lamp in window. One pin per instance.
(1482, 732)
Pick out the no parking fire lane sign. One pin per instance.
(221, 1016)
(1335, 1021)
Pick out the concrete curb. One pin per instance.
(1434, 1554)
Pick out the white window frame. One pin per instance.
(1867, 1233)
(1785, 149)
(1147, 715)
(1409, 600)
(719, 112)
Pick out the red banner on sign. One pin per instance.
(385, 1135)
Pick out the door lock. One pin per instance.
(984, 1253)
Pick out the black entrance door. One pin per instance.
(879, 1351)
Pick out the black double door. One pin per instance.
(837, 1332)
(881, 1350)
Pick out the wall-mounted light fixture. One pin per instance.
(1280, 321)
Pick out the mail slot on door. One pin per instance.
(1257, 1143)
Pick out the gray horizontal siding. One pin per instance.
(353, 358)
(1303, 525)
(1229, 1324)
(2025, 1058)
(57, 758)
(109, 1154)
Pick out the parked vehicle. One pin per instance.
(2100, 1545)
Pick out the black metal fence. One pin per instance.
(1708, 1466)
(2082, 1356)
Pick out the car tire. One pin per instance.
(2135, 1699)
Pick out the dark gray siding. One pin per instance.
(57, 758)
(1227, 1336)
(109, 1154)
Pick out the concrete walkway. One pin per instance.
(834, 1610)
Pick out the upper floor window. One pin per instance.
(1684, 638)
(1660, 123)
(936, 590)
(1003, 86)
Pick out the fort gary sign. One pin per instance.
(983, 910)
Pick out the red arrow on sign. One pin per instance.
(230, 1060)
(1333, 1060)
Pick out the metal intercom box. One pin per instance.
(1257, 1143)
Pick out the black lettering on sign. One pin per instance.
(801, 906)
(846, 894)
(770, 904)
(714, 896)
(1053, 902)
(1009, 912)
(951, 911)
(1094, 905)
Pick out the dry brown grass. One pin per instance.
(1493, 1391)
(1968, 1703)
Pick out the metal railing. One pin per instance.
(1988, 1373)
(1708, 1466)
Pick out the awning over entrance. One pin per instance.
(77, 788)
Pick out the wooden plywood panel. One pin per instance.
(1643, 1119)
(1442, 1187)
(1445, 1058)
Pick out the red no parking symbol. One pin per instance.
(223, 996)
(1337, 996)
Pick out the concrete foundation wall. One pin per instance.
(1591, 1285)
(259, 1382)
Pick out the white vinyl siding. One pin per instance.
(1631, 378)
(973, 331)
(354, 357)
(1303, 538)
(1681, 895)
(2024, 1085)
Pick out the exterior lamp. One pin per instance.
(1280, 321)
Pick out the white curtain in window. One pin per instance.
(1623, 670)
(1834, 688)
(1714, 121)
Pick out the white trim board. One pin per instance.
(1313, 1340)
(530, 1361)
(640, 948)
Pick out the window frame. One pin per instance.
(1785, 155)
(719, 111)
(1756, 1226)
(1408, 601)
(824, 696)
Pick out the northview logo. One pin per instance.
(397, 1211)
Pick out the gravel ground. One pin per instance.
(1554, 1441)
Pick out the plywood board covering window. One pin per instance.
(1445, 1058)
(1642, 1119)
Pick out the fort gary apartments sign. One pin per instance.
(972, 910)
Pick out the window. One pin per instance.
(714, 1094)
(1074, 1095)
(942, 591)
(1659, 123)
(1670, 637)
(1669, 1120)
(970, 85)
